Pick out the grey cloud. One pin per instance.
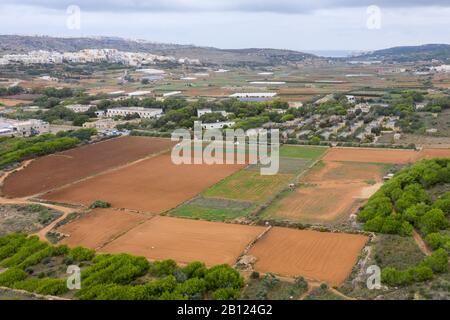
(277, 6)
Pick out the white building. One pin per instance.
(78, 108)
(139, 93)
(142, 112)
(253, 95)
(170, 94)
(201, 112)
(23, 128)
(218, 125)
(101, 125)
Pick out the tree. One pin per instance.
(223, 276)
(433, 221)
(437, 261)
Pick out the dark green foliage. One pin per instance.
(12, 275)
(100, 204)
(113, 277)
(223, 276)
(81, 254)
(403, 202)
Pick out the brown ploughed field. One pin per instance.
(334, 191)
(185, 240)
(370, 155)
(62, 168)
(99, 226)
(319, 256)
(434, 153)
(153, 185)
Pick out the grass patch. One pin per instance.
(302, 152)
(213, 209)
(249, 185)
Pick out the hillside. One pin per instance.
(411, 53)
(208, 55)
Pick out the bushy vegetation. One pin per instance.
(403, 202)
(113, 276)
(17, 149)
(100, 204)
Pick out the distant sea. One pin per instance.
(334, 53)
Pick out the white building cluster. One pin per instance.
(92, 56)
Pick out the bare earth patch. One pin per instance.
(185, 240)
(315, 255)
(97, 227)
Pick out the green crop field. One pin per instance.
(249, 185)
(302, 152)
(213, 209)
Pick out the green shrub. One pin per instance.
(10, 276)
(100, 204)
(80, 254)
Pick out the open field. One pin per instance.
(185, 240)
(99, 226)
(315, 255)
(213, 209)
(303, 152)
(59, 169)
(434, 153)
(333, 191)
(12, 102)
(287, 165)
(342, 171)
(370, 155)
(319, 204)
(153, 185)
(249, 185)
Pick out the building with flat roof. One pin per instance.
(142, 112)
(19, 128)
(78, 108)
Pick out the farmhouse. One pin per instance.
(142, 112)
(351, 99)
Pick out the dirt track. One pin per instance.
(61, 168)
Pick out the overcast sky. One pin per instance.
(288, 24)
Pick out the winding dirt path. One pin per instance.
(41, 233)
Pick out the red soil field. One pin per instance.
(62, 168)
(370, 155)
(319, 256)
(153, 185)
(335, 190)
(185, 240)
(342, 171)
(434, 153)
(324, 203)
(97, 227)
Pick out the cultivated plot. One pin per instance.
(332, 191)
(249, 185)
(319, 256)
(213, 209)
(290, 151)
(370, 155)
(99, 226)
(434, 153)
(62, 168)
(185, 240)
(154, 185)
